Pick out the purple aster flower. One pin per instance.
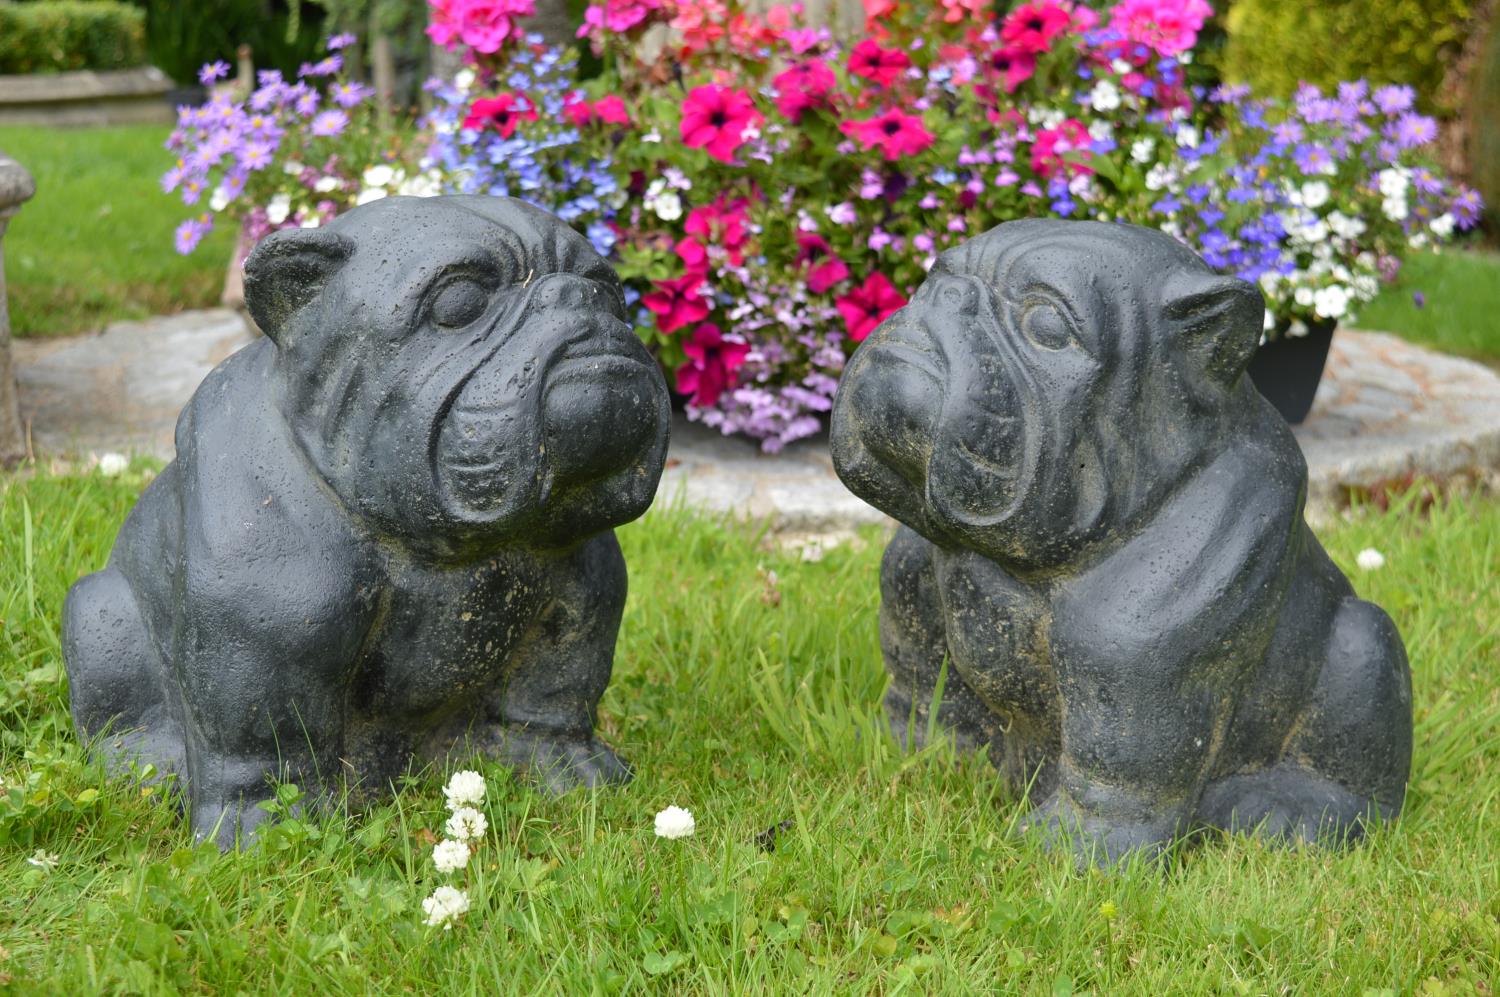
(307, 102)
(1288, 133)
(341, 41)
(256, 155)
(1412, 130)
(1467, 207)
(330, 123)
(190, 233)
(1419, 299)
(349, 94)
(208, 74)
(323, 67)
(1312, 159)
(1353, 92)
(1227, 94)
(1394, 100)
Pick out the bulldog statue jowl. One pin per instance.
(387, 533)
(1104, 555)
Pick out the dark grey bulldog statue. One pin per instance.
(1104, 540)
(387, 532)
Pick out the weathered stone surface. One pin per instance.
(86, 97)
(16, 187)
(387, 530)
(1103, 551)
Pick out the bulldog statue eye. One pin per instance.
(458, 302)
(1045, 325)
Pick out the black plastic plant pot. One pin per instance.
(1287, 369)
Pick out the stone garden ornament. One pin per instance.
(387, 533)
(1104, 557)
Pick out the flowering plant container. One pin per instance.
(1288, 369)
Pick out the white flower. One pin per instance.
(113, 464)
(1122, 67)
(1303, 296)
(652, 136)
(464, 789)
(1442, 225)
(450, 856)
(219, 199)
(1188, 137)
(1418, 240)
(675, 822)
(326, 184)
(378, 175)
(1159, 177)
(311, 221)
(1315, 193)
(463, 79)
(1269, 322)
(1395, 208)
(1185, 58)
(669, 207)
(1370, 559)
(1331, 301)
(369, 194)
(419, 186)
(1099, 130)
(1393, 182)
(1105, 96)
(1314, 231)
(43, 859)
(292, 168)
(1344, 226)
(279, 208)
(1297, 329)
(466, 824)
(445, 906)
(1142, 149)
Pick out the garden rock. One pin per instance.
(387, 531)
(1104, 541)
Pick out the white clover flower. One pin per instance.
(1442, 225)
(1105, 96)
(378, 175)
(669, 207)
(1331, 301)
(326, 184)
(675, 822)
(113, 464)
(466, 824)
(450, 856)
(465, 789)
(369, 194)
(445, 906)
(1142, 150)
(1370, 559)
(44, 859)
(1315, 193)
(278, 209)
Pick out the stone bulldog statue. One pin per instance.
(387, 531)
(1104, 543)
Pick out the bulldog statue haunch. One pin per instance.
(1104, 545)
(387, 531)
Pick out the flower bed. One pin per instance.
(770, 194)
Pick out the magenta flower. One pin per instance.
(676, 302)
(1053, 146)
(882, 66)
(1031, 28)
(825, 269)
(803, 87)
(712, 361)
(1170, 27)
(1014, 64)
(868, 305)
(893, 133)
(483, 25)
(715, 118)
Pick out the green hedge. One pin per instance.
(1274, 44)
(50, 36)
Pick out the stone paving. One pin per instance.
(1386, 411)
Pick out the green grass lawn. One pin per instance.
(750, 701)
(95, 244)
(1459, 310)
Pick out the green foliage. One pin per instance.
(94, 245)
(1484, 124)
(182, 35)
(1275, 44)
(1446, 300)
(752, 699)
(51, 36)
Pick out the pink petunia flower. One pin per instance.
(1052, 144)
(609, 110)
(961, 10)
(712, 361)
(715, 119)
(676, 302)
(503, 113)
(894, 133)
(803, 87)
(483, 25)
(719, 224)
(824, 268)
(1014, 64)
(1170, 27)
(883, 66)
(1033, 26)
(868, 305)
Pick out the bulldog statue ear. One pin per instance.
(1217, 321)
(286, 270)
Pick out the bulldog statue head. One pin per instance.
(459, 370)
